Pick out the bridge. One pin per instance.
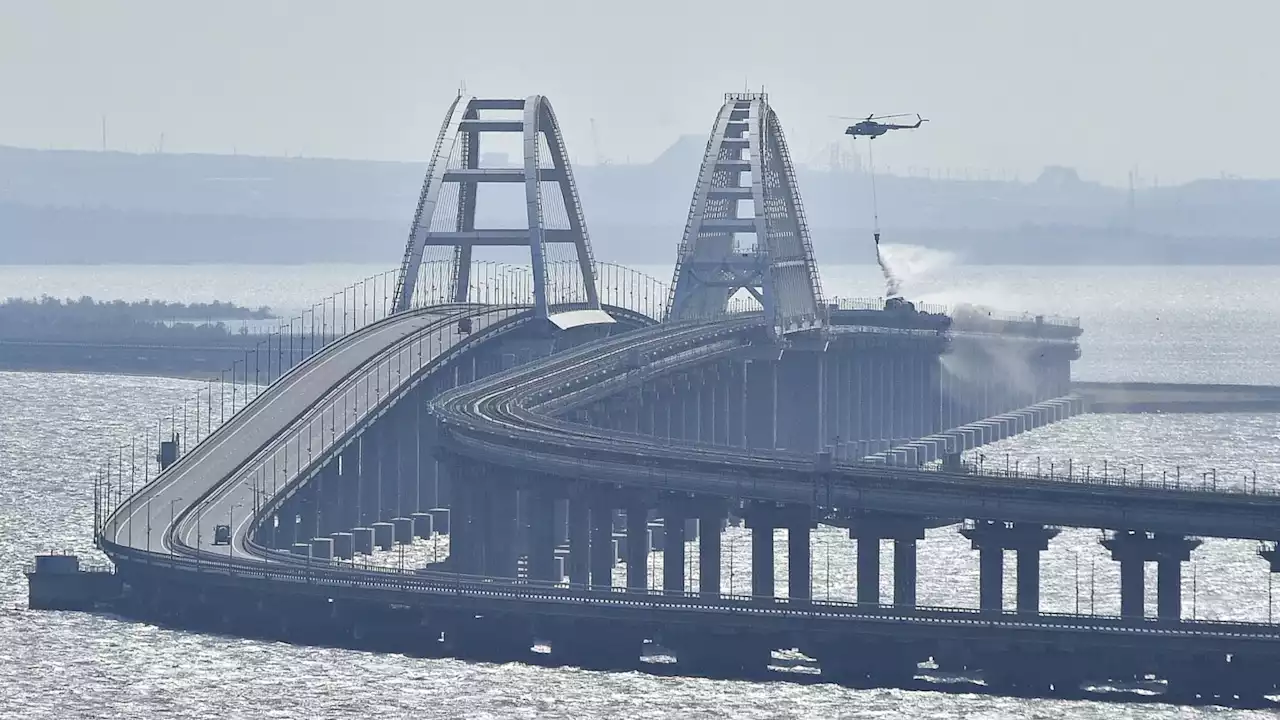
(549, 421)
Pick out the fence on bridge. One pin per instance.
(355, 307)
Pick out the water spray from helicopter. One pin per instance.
(871, 128)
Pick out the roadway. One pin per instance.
(258, 450)
(505, 421)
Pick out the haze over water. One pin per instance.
(1175, 324)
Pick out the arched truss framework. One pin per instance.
(447, 206)
(746, 228)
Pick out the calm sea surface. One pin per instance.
(1174, 324)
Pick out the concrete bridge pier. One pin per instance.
(330, 498)
(869, 529)
(679, 407)
(368, 475)
(388, 463)
(711, 517)
(674, 515)
(991, 538)
(799, 398)
(500, 546)
(761, 523)
(734, 386)
(602, 555)
(663, 399)
(408, 498)
(646, 410)
(1133, 549)
(762, 519)
(709, 419)
(542, 537)
(579, 569)
(799, 560)
(464, 530)
(308, 514)
(761, 405)
(349, 472)
(637, 556)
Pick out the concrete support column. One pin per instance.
(761, 557)
(709, 553)
(735, 405)
(330, 496)
(868, 579)
(1169, 589)
(707, 406)
(673, 518)
(680, 402)
(1132, 588)
(991, 578)
(409, 499)
(462, 541)
(602, 555)
(799, 561)
(1028, 581)
(368, 506)
(579, 539)
(904, 572)
(500, 540)
(645, 413)
(349, 473)
(991, 538)
(799, 401)
(1133, 549)
(637, 547)
(761, 405)
(542, 537)
(388, 464)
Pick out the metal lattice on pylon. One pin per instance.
(445, 221)
(767, 250)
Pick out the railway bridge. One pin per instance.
(551, 422)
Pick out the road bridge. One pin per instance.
(548, 423)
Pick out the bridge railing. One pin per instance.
(365, 575)
(136, 463)
(1108, 474)
(139, 462)
(960, 312)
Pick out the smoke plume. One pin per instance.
(893, 286)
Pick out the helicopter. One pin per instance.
(870, 127)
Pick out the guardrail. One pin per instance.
(333, 573)
(1111, 475)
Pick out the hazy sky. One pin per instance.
(1179, 88)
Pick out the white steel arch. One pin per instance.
(447, 205)
(747, 160)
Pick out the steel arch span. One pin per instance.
(766, 249)
(445, 220)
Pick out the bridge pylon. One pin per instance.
(445, 223)
(746, 228)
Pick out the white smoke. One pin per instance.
(904, 265)
(893, 286)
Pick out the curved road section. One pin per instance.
(513, 418)
(263, 448)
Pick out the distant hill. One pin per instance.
(96, 207)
